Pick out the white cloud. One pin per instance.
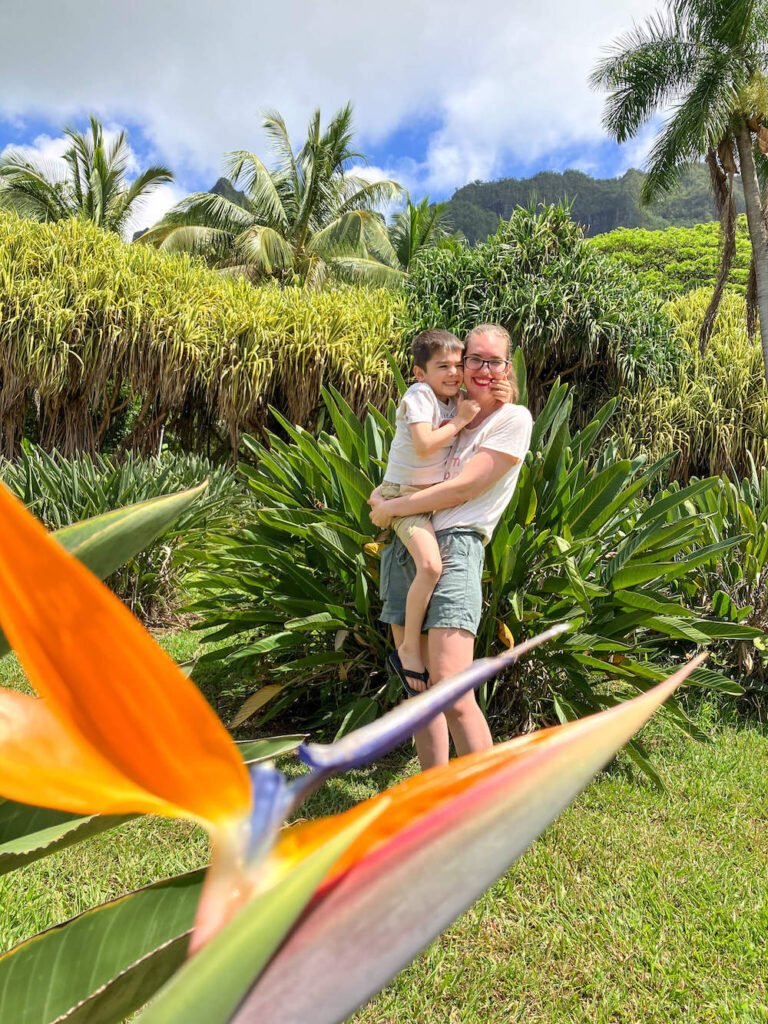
(502, 80)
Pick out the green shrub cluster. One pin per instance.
(677, 260)
(62, 491)
(90, 327)
(575, 314)
(712, 414)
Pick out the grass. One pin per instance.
(635, 906)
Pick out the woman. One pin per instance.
(481, 475)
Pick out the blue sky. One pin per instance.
(444, 91)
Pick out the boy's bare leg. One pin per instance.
(424, 550)
(451, 651)
(432, 740)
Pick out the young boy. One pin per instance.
(430, 415)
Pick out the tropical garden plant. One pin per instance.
(102, 344)
(94, 186)
(307, 219)
(279, 917)
(708, 60)
(62, 492)
(579, 543)
(418, 226)
(711, 416)
(574, 313)
(678, 260)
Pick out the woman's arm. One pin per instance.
(480, 473)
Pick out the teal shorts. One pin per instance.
(457, 601)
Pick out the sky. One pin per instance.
(444, 92)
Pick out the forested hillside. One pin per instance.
(600, 204)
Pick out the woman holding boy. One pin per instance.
(480, 477)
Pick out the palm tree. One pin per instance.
(708, 60)
(418, 227)
(301, 221)
(94, 186)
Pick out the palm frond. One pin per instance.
(365, 270)
(265, 249)
(700, 121)
(648, 67)
(262, 189)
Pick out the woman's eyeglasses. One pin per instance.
(494, 365)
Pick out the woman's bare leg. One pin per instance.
(423, 548)
(432, 740)
(451, 651)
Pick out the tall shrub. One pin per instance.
(711, 417)
(575, 314)
(90, 326)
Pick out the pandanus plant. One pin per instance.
(292, 924)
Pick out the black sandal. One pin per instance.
(403, 674)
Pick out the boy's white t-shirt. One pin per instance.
(419, 404)
(507, 430)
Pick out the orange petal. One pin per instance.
(41, 764)
(107, 682)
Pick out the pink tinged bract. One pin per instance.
(371, 919)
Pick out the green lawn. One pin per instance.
(635, 906)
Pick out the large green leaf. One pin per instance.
(104, 964)
(211, 985)
(105, 542)
(28, 833)
(254, 751)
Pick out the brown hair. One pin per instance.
(497, 331)
(434, 340)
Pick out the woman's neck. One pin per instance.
(488, 405)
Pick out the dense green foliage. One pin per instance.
(91, 326)
(712, 414)
(599, 204)
(575, 313)
(95, 187)
(306, 221)
(63, 491)
(297, 591)
(678, 260)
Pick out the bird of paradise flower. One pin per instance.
(117, 727)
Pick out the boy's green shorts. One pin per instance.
(457, 601)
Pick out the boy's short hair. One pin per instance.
(434, 340)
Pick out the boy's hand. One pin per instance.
(501, 390)
(466, 412)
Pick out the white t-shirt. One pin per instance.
(507, 430)
(419, 404)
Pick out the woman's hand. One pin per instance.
(379, 515)
(501, 389)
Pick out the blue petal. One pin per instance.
(271, 801)
(371, 741)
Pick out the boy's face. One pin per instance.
(444, 373)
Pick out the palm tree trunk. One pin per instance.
(722, 188)
(757, 232)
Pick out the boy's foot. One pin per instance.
(408, 677)
(414, 668)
